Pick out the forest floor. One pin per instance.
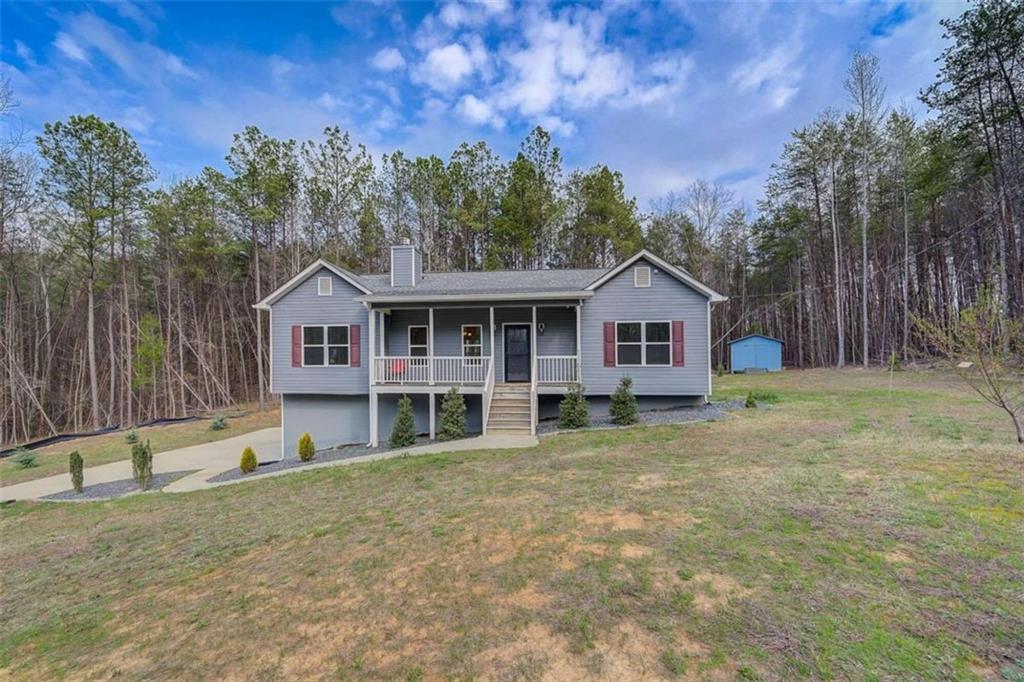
(111, 447)
(848, 531)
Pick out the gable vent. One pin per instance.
(642, 276)
(323, 286)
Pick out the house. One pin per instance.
(755, 353)
(345, 347)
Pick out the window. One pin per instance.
(325, 345)
(641, 276)
(472, 342)
(418, 343)
(639, 344)
(323, 286)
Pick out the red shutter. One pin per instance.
(296, 345)
(677, 343)
(609, 344)
(353, 340)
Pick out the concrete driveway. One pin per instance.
(211, 458)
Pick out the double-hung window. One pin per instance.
(472, 344)
(643, 344)
(325, 345)
(418, 344)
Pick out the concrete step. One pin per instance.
(504, 430)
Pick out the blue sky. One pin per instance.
(664, 92)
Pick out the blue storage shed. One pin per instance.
(755, 352)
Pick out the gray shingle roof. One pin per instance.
(489, 282)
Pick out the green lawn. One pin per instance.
(111, 447)
(849, 531)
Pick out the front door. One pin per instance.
(517, 352)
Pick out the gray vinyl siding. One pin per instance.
(666, 299)
(302, 306)
(559, 337)
(330, 419)
(447, 329)
(406, 266)
(388, 410)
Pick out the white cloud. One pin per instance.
(70, 47)
(328, 101)
(24, 52)
(280, 68)
(776, 73)
(445, 68)
(478, 111)
(137, 120)
(388, 59)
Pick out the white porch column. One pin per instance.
(373, 346)
(579, 346)
(430, 350)
(374, 441)
(533, 348)
(433, 419)
(493, 366)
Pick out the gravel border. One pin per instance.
(126, 486)
(322, 457)
(674, 415)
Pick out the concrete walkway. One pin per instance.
(213, 458)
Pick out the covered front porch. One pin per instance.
(431, 348)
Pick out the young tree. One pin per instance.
(984, 347)
(142, 464)
(453, 416)
(574, 410)
(403, 431)
(75, 468)
(866, 92)
(623, 405)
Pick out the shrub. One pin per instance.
(248, 462)
(720, 370)
(403, 431)
(75, 466)
(574, 411)
(219, 424)
(142, 464)
(307, 450)
(895, 365)
(751, 402)
(132, 437)
(762, 396)
(24, 458)
(453, 416)
(623, 407)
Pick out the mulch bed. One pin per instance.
(675, 415)
(331, 455)
(106, 491)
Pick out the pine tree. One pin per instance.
(248, 462)
(307, 450)
(142, 464)
(403, 432)
(453, 416)
(75, 465)
(623, 407)
(574, 411)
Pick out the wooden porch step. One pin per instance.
(505, 401)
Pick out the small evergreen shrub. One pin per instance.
(453, 416)
(75, 466)
(720, 370)
(248, 462)
(403, 431)
(132, 437)
(142, 464)
(219, 424)
(895, 364)
(623, 406)
(24, 458)
(307, 450)
(574, 410)
(751, 401)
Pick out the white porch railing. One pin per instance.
(558, 369)
(405, 369)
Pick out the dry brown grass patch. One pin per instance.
(716, 591)
(614, 519)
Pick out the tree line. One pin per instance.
(122, 302)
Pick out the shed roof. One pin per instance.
(760, 336)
